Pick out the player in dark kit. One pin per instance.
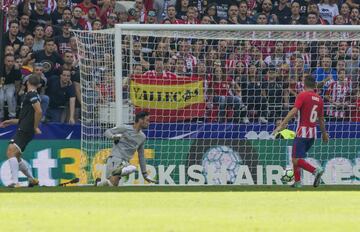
(310, 107)
(29, 119)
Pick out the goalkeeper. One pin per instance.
(127, 139)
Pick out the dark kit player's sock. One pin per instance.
(25, 169)
(305, 165)
(14, 167)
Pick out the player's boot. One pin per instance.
(296, 185)
(32, 183)
(318, 173)
(97, 181)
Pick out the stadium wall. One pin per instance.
(186, 158)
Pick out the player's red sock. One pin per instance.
(297, 174)
(305, 165)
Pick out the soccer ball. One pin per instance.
(288, 175)
(222, 157)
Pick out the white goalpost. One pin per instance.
(215, 94)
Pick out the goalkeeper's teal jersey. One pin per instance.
(129, 142)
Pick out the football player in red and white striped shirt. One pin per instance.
(338, 95)
(310, 107)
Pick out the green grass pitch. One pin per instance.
(171, 209)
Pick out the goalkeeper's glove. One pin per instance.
(146, 177)
(116, 138)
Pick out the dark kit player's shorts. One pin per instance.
(301, 146)
(21, 139)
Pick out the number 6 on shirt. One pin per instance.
(314, 114)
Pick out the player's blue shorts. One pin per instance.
(301, 146)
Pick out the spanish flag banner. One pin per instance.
(168, 98)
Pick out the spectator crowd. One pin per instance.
(245, 80)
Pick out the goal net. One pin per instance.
(215, 94)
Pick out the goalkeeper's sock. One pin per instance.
(25, 169)
(14, 167)
(305, 165)
(128, 170)
(104, 182)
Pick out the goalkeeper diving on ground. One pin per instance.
(127, 139)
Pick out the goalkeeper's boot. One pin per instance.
(296, 185)
(97, 181)
(33, 182)
(118, 171)
(318, 173)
